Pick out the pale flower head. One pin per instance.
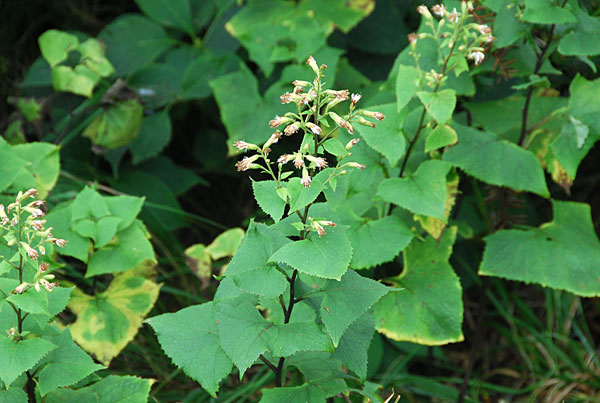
(439, 10)
(477, 57)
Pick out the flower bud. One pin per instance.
(246, 163)
(21, 288)
(243, 146)
(424, 11)
(272, 140)
(291, 129)
(32, 253)
(352, 143)
(278, 121)
(439, 10)
(371, 114)
(453, 16)
(355, 165)
(314, 128)
(285, 158)
(365, 122)
(319, 162)
(313, 65)
(305, 181)
(477, 57)
(341, 122)
(3, 217)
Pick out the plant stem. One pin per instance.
(538, 66)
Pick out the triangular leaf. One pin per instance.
(18, 357)
(267, 198)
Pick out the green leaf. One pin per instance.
(439, 105)
(435, 226)
(117, 125)
(12, 164)
(264, 280)
(110, 389)
(245, 334)
(582, 102)
(81, 80)
(507, 27)
(158, 84)
(13, 395)
(29, 108)
(16, 358)
(347, 300)
(424, 192)
(343, 14)
(584, 40)
(55, 46)
(495, 161)
(300, 196)
(427, 308)
(190, 338)
(65, 365)
(92, 56)
(320, 371)
(125, 207)
(327, 256)
(387, 138)
(109, 320)
(154, 135)
(226, 244)
(335, 147)
(570, 146)
(268, 200)
(546, 12)
(133, 41)
(294, 394)
(31, 301)
(441, 136)
(170, 13)
(377, 241)
(561, 254)
(132, 248)
(60, 219)
(354, 345)
(42, 168)
(204, 68)
(406, 85)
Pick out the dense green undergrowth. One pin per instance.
(413, 216)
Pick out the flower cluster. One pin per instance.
(25, 228)
(472, 36)
(315, 120)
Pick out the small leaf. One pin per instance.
(81, 80)
(439, 105)
(190, 338)
(335, 147)
(424, 192)
(406, 85)
(561, 254)
(117, 125)
(267, 198)
(546, 12)
(226, 244)
(347, 300)
(427, 308)
(55, 46)
(300, 196)
(435, 226)
(441, 136)
(327, 256)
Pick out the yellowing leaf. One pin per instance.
(434, 226)
(107, 321)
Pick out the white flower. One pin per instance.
(439, 10)
(477, 57)
(355, 98)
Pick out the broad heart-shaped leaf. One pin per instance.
(110, 389)
(427, 308)
(125, 207)
(42, 169)
(189, 337)
(495, 161)
(424, 192)
(13, 164)
(60, 219)
(133, 41)
(584, 40)
(546, 12)
(354, 345)
(327, 256)
(440, 105)
(377, 241)
(16, 358)
(132, 248)
(406, 85)
(320, 370)
(249, 268)
(268, 200)
(346, 300)
(387, 138)
(171, 13)
(441, 136)
(154, 135)
(109, 320)
(245, 334)
(55, 45)
(65, 365)
(300, 196)
(117, 125)
(561, 254)
(88, 204)
(42, 303)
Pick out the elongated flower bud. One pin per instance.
(285, 158)
(355, 165)
(246, 163)
(3, 217)
(314, 128)
(371, 114)
(272, 140)
(424, 11)
(365, 122)
(32, 253)
(306, 179)
(313, 65)
(243, 146)
(278, 121)
(341, 122)
(319, 162)
(352, 143)
(291, 129)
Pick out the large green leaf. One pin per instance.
(353, 348)
(427, 308)
(439, 105)
(154, 135)
(498, 162)
(327, 256)
(41, 170)
(60, 219)
(133, 41)
(377, 241)
(109, 320)
(387, 138)
(294, 394)
(13, 395)
(110, 389)
(347, 300)
(424, 192)
(584, 40)
(18, 357)
(407, 83)
(189, 337)
(561, 254)
(65, 365)
(80, 80)
(12, 164)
